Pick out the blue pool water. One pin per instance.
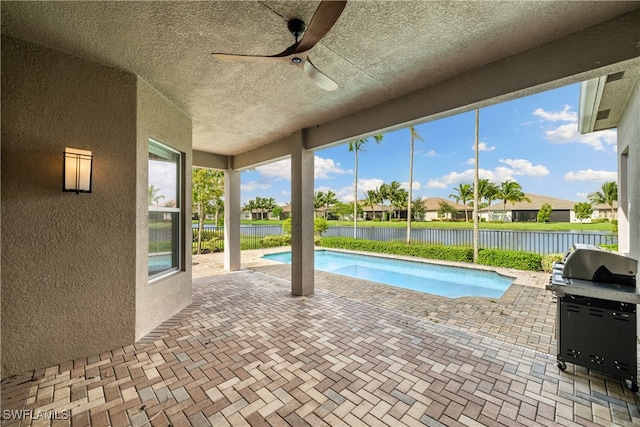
(452, 282)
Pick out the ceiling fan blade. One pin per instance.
(246, 58)
(318, 77)
(323, 19)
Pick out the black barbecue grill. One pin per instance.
(596, 311)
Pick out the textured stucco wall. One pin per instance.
(629, 136)
(157, 118)
(68, 261)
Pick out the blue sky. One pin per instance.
(532, 140)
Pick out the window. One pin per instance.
(165, 210)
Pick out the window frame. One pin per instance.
(179, 247)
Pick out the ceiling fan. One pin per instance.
(323, 19)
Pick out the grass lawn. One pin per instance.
(530, 226)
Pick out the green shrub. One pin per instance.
(447, 253)
(495, 258)
(286, 226)
(320, 225)
(510, 259)
(614, 227)
(610, 247)
(274, 241)
(548, 260)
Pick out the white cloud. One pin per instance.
(517, 167)
(471, 161)
(591, 175)
(416, 185)
(482, 146)
(324, 167)
(324, 189)
(524, 167)
(502, 173)
(368, 184)
(431, 153)
(255, 185)
(566, 115)
(345, 194)
(454, 178)
(568, 133)
(281, 169)
(277, 170)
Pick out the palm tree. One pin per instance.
(487, 190)
(607, 196)
(510, 191)
(268, 205)
(153, 196)
(318, 201)
(259, 205)
(417, 208)
(464, 192)
(414, 136)
(329, 200)
(396, 196)
(372, 198)
(384, 193)
(356, 146)
(401, 201)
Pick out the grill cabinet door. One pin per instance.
(598, 334)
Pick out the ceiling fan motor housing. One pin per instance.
(296, 27)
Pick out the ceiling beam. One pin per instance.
(202, 159)
(268, 153)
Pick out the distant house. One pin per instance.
(561, 210)
(432, 209)
(603, 211)
(257, 214)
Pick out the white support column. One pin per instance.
(302, 246)
(231, 220)
(623, 202)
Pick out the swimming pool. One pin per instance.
(451, 282)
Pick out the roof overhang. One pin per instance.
(603, 99)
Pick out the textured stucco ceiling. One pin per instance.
(376, 52)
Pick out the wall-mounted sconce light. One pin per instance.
(77, 165)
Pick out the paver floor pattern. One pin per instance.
(246, 352)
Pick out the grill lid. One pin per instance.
(589, 262)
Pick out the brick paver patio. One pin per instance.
(246, 352)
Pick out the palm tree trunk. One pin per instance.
(355, 196)
(476, 185)
(410, 191)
